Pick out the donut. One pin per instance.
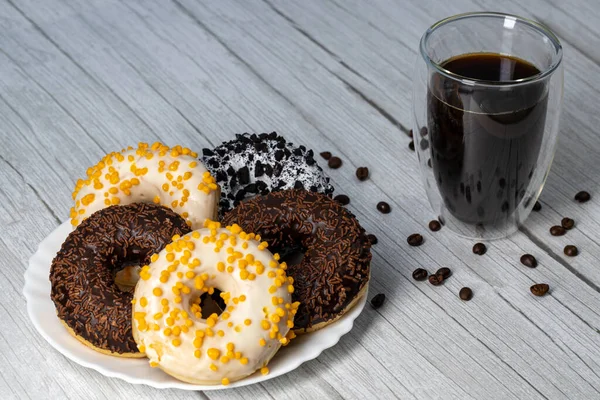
(335, 269)
(254, 164)
(172, 177)
(87, 300)
(169, 325)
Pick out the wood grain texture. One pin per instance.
(78, 79)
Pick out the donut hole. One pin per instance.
(210, 303)
(292, 256)
(127, 276)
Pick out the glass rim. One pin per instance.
(556, 58)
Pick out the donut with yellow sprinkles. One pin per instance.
(168, 323)
(169, 176)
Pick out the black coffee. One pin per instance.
(485, 138)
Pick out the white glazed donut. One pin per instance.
(168, 324)
(172, 177)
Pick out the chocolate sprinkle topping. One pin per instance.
(252, 165)
(337, 253)
(83, 287)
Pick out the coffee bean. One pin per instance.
(436, 280)
(342, 199)
(423, 131)
(582, 196)
(334, 162)
(372, 238)
(378, 300)
(424, 143)
(465, 294)
(411, 145)
(362, 173)
(429, 163)
(539, 289)
(571, 250)
(415, 239)
(557, 230)
(479, 249)
(419, 274)
(444, 272)
(383, 207)
(435, 225)
(567, 223)
(528, 260)
(537, 206)
(410, 133)
(326, 155)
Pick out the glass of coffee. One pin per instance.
(486, 101)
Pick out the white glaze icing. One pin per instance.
(194, 257)
(142, 175)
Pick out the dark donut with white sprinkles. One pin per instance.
(335, 269)
(84, 292)
(252, 165)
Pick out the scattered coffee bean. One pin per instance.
(528, 260)
(410, 133)
(415, 239)
(326, 155)
(342, 199)
(557, 230)
(383, 207)
(411, 145)
(465, 294)
(429, 163)
(539, 289)
(537, 206)
(444, 272)
(419, 274)
(372, 238)
(436, 280)
(424, 143)
(435, 225)
(567, 223)
(378, 300)
(423, 131)
(362, 173)
(334, 162)
(479, 249)
(582, 196)
(571, 250)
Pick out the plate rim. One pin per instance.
(349, 317)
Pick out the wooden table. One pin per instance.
(81, 78)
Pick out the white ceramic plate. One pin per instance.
(43, 315)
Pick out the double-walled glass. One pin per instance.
(485, 147)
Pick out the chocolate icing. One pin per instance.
(82, 273)
(336, 248)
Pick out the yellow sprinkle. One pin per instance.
(143, 302)
(176, 342)
(247, 322)
(244, 360)
(213, 353)
(213, 367)
(264, 370)
(197, 353)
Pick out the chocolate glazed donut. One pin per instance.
(335, 269)
(86, 297)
